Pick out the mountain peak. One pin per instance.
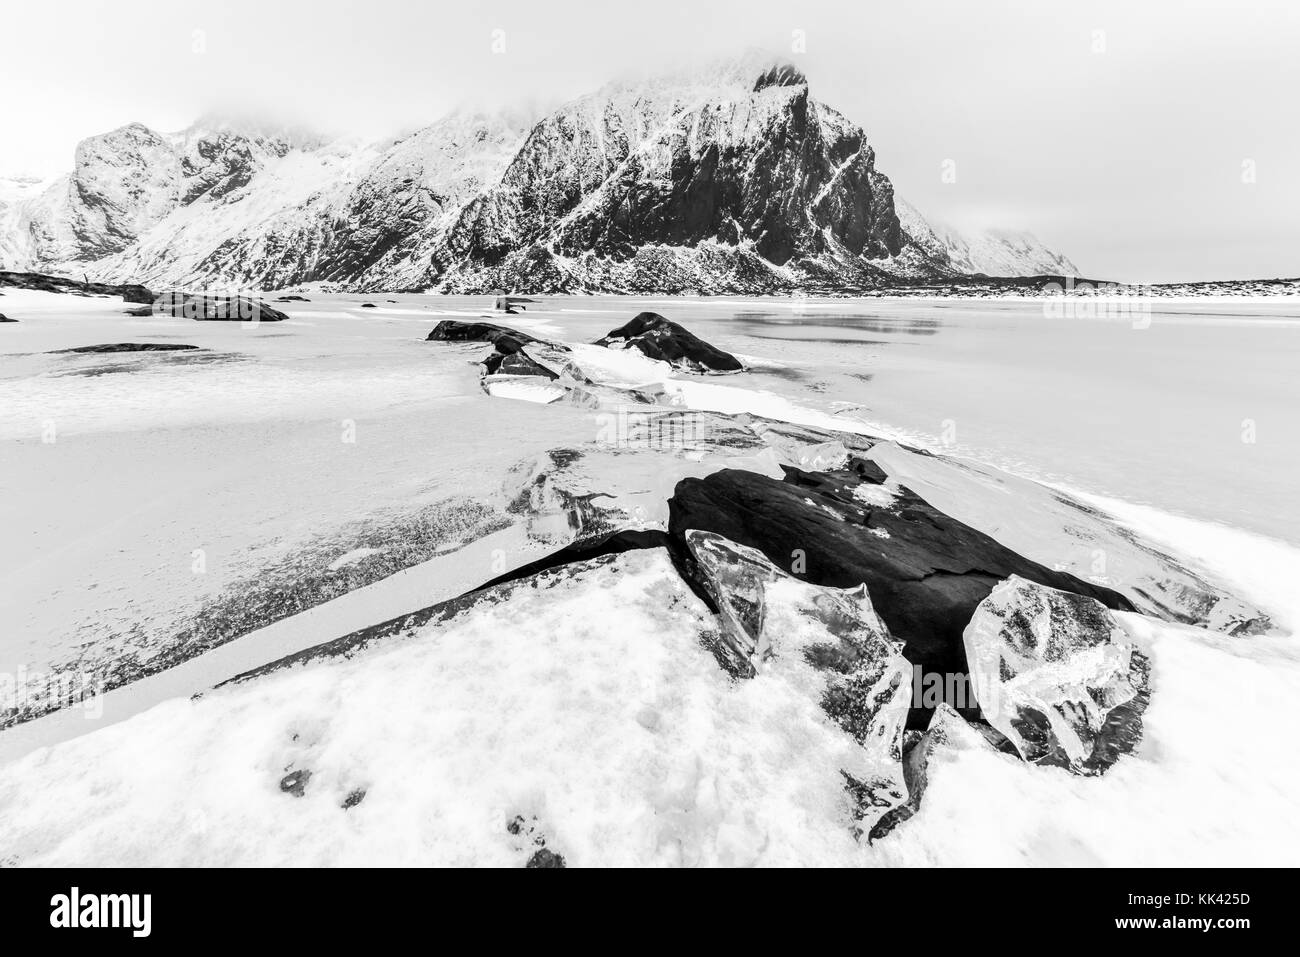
(780, 74)
(724, 176)
(214, 125)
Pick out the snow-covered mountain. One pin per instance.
(994, 252)
(730, 178)
(17, 195)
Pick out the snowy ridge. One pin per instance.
(725, 178)
(993, 252)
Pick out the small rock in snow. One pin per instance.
(295, 783)
(545, 858)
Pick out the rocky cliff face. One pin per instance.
(379, 224)
(728, 179)
(738, 176)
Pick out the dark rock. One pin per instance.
(293, 299)
(660, 338)
(508, 356)
(1155, 582)
(367, 305)
(530, 833)
(185, 305)
(453, 330)
(510, 305)
(129, 347)
(130, 292)
(134, 293)
(354, 798)
(4, 318)
(545, 858)
(514, 362)
(295, 783)
(925, 572)
(583, 550)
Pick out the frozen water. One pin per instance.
(1051, 671)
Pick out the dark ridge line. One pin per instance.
(115, 347)
(44, 282)
(608, 545)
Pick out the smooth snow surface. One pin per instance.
(628, 744)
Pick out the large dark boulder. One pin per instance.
(925, 572)
(453, 330)
(510, 359)
(4, 318)
(185, 305)
(507, 356)
(660, 338)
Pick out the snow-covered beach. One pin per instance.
(288, 484)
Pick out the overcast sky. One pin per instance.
(1149, 141)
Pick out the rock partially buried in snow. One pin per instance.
(113, 347)
(184, 305)
(545, 859)
(295, 783)
(926, 572)
(510, 305)
(509, 358)
(1066, 534)
(1057, 675)
(659, 338)
(511, 372)
(4, 318)
(60, 284)
(529, 833)
(453, 330)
